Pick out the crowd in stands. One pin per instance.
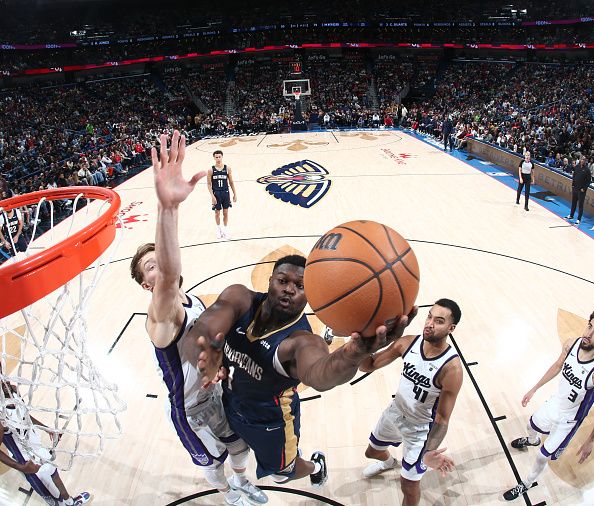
(81, 134)
(97, 132)
(545, 109)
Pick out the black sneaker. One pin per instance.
(523, 442)
(517, 491)
(319, 478)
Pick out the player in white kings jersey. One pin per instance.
(196, 413)
(419, 414)
(562, 414)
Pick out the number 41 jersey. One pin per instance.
(418, 395)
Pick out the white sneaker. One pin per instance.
(219, 233)
(252, 492)
(377, 468)
(226, 235)
(239, 501)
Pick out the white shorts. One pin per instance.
(392, 429)
(548, 420)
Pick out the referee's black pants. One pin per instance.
(527, 179)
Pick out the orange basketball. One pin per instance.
(360, 275)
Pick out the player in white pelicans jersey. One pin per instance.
(418, 415)
(562, 414)
(196, 414)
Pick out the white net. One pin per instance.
(54, 400)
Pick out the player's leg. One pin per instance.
(215, 476)
(217, 209)
(384, 435)
(560, 435)
(213, 416)
(541, 422)
(275, 447)
(64, 497)
(226, 204)
(414, 439)
(411, 491)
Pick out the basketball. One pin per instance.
(361, 275)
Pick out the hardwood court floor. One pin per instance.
(524, 284)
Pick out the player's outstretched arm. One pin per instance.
(214, 323)
(552, 371)
(165, 314)
(451, 383)
(386, 356)
(310, 362)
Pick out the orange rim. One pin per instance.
(34, 277)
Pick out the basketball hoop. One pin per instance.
(46, 369)
(297, 95)
(37, 275)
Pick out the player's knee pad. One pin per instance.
(215, 476)
(239, 459)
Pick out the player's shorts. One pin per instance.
(392, 429)
(560, 429)
(204, 431)
(274, 444)
(223, 200)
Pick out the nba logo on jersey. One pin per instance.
(300, 183)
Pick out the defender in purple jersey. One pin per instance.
(561, 415)
(196, 413)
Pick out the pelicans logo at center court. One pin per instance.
(300, 183)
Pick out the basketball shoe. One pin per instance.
(237, 501)
(252, 492)
(517, 491)
(82, 498)
(219, 233)
(319, 478)
(379, 467)
(523, 442)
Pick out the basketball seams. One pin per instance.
(377, 307)
(365, 239)
(403, 254)
(346, 294)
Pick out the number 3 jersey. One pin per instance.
(418, 394)
(576, 391)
